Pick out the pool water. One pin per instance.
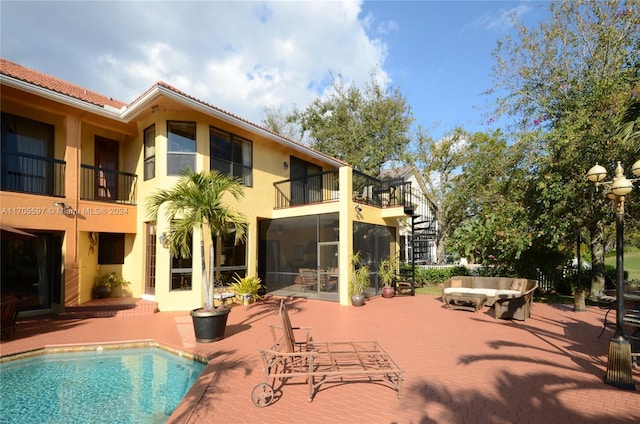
(141, 385)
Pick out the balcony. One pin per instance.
(324, 187)
(316, 188)
(25, 173)
(107, 185)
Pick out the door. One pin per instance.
(106, 174)
(150, 259)
(328, 268)
(304, 189)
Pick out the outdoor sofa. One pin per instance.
(510, 297)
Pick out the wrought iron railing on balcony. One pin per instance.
(381, 193)
(33, 174)
(316, 188)
(107, 185)
(324, 187)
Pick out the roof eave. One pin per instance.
(107, 112)
(147, 100)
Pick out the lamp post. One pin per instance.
(619, 369)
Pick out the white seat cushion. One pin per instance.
(488, 292)
(449, 290)
(506, 294)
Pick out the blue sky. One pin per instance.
(245, 56)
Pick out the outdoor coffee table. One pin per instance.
(466, 301)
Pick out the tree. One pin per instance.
(196, 202)
(365, 127)
(437, 162)
(566, 83)
(465, 175)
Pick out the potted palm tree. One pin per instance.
(360, 280)
(195, 203)
(387, 274)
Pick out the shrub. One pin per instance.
(435, 276)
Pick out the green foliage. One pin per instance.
(567, 82)
(387, 270)
(363, 126)
(117, 285)
(435, 276)
(360, 277)
(246, 285)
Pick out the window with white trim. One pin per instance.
(181, 149)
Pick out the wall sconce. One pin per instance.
(154, 108)
(164, 240)
(61, 205)
(358, 208)
(286, 165)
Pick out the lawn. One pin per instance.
(631, 263)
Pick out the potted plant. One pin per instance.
(246, 288)
(102, 286)
(196, 203)
(111, 284)
(360, 280)
(387, 274)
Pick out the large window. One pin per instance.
(233, 259)
(374, 242)
(231, 155)
(150, 152)
(32, 269)
(27, 157)
(299, 256)
(111, 248)
(181, 271)
(181, 147)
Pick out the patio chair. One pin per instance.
(10, 308)
(308, 277)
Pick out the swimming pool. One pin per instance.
(140, 385)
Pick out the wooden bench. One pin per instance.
(322, 362)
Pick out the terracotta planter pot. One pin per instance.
(209, 326)
(388, 292)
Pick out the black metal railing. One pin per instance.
(381, 193)
(316, 188)
(33, 174)
(107, 185)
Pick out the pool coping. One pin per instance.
(96, 347)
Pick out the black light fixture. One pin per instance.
(619, 364)
(286, 165)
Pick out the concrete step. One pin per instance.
(112, 307)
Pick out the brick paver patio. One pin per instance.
(460, 367)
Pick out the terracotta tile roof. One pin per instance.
(57, 85)
(48, 82)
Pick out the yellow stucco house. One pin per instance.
(77, 167)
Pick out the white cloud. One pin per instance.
(240, 56)
(500, 20)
